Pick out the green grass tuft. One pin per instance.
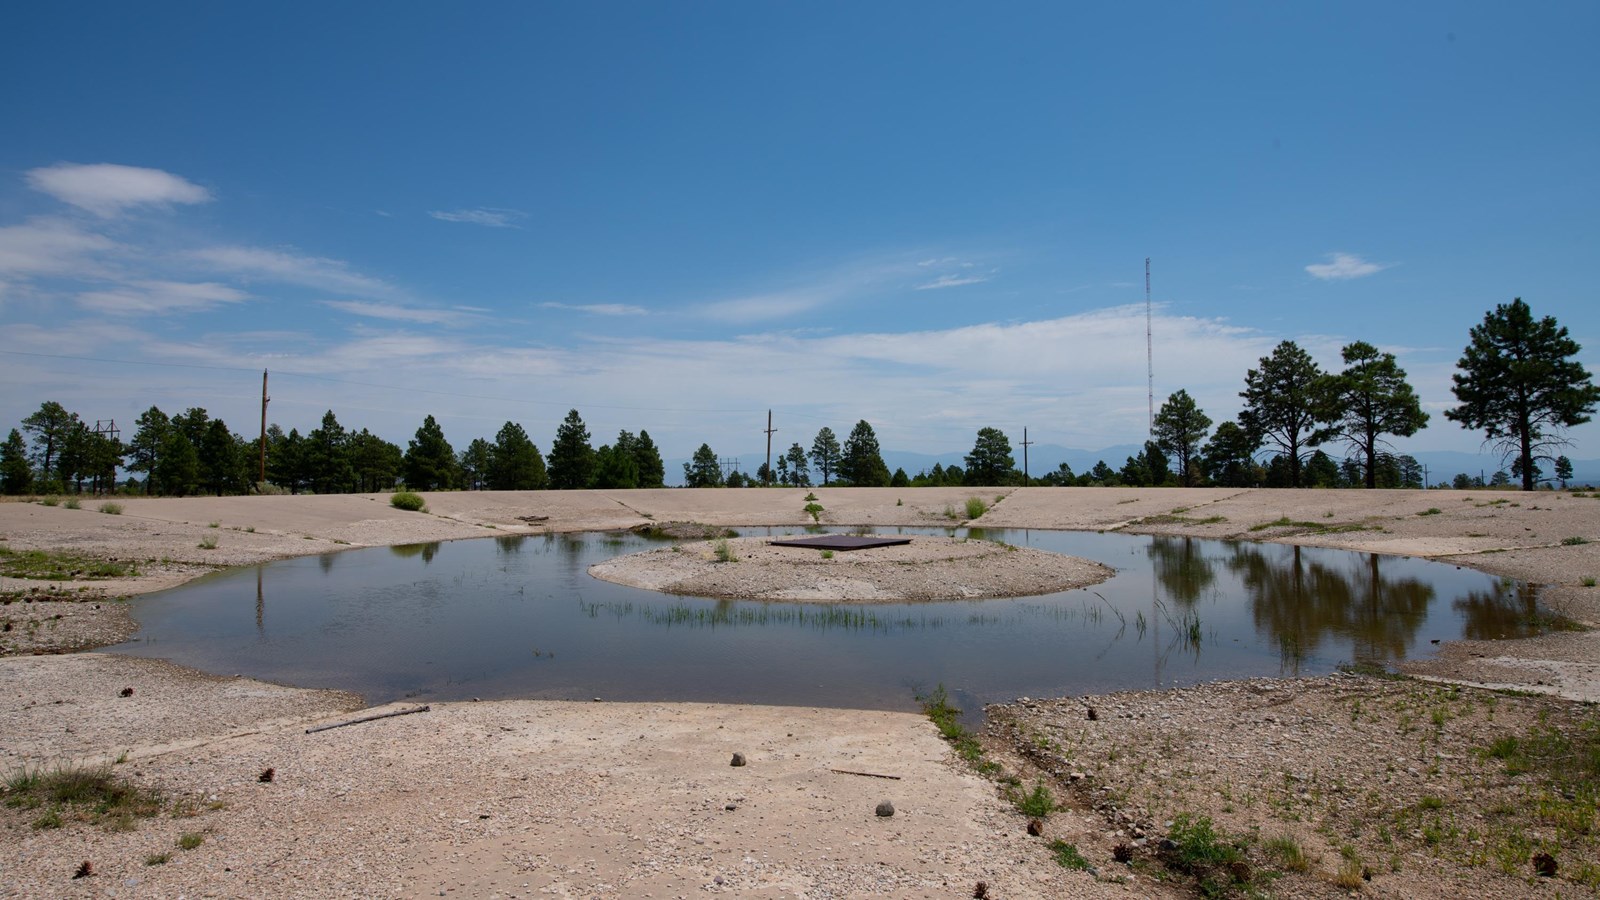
(1067, 855)
(111, 509)
(976, 508)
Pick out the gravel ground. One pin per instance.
(928, 568)
(534, 798)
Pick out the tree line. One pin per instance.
(1517, 382)
(189, 453)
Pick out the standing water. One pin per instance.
(520, 617)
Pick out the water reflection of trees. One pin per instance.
(1182, 568)
(1300, 604)
(1509, 613)
(427, 551)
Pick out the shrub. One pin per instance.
(723, 551)
(190, 840)
(111, 509)
(209, 542)
(1037, 803)
(49, 501)
(410, 501)
(976, 507)
(815, 509)
(1574, 541)
(72, 503)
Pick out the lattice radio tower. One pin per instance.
(1149, 349)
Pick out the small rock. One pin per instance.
(885, 809)
(738, 760)
(125, 692)
(1168, 845)
(731, 807)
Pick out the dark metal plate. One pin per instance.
(842, 542)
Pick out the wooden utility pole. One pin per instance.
(264, 399)
(1025, 443)
(770, 429)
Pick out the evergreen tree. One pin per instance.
(703, 470)
(1135, 472)
(1322, 471)
(1284, 401)
(221, 469)
(990, 462)
(1563, 471)
(799, 474)
(1156, 463)
(825, 454)
(652, 471)
(177, 473)
(1369, 399)
(325, 457)
(430, 461)
(474, 465)
(899, 479)
(861, 463)
(1229, 457)
(1180, 429)
(286, 459)
(571, 460)
(515, 463)
(144, 448)
(375, 462)
(616, 468)
(782, 473)
(16, 476)
(49, 428)
(1520, 384)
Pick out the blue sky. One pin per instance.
(676, 216)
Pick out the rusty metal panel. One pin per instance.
(842, 542)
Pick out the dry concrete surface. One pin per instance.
(536, 798)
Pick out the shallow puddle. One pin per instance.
(519, 617)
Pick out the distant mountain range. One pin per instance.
(1442, 465)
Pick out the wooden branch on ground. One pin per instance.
(371, 718)
(865, 774)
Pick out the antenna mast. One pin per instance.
(1149, 348)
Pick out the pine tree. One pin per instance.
(1369, 399)
(16, 476)
(1180, 429)
(571, 460)
(990, 462)
(1520, 384)
(514, 462)
(430, 461)
(861, 463)
(825, 454)
(1283, 404)
(652, 471)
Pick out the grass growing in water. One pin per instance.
(936, 706)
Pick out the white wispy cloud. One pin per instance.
(488, 216)
(307, 271)
(396, 313)
(48, 246)
(160, 297)
(107, 189)
(1344, 266)
(949, 281)
(600, 309)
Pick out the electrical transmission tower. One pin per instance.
(1149, 350)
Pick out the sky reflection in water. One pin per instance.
(519, 616)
